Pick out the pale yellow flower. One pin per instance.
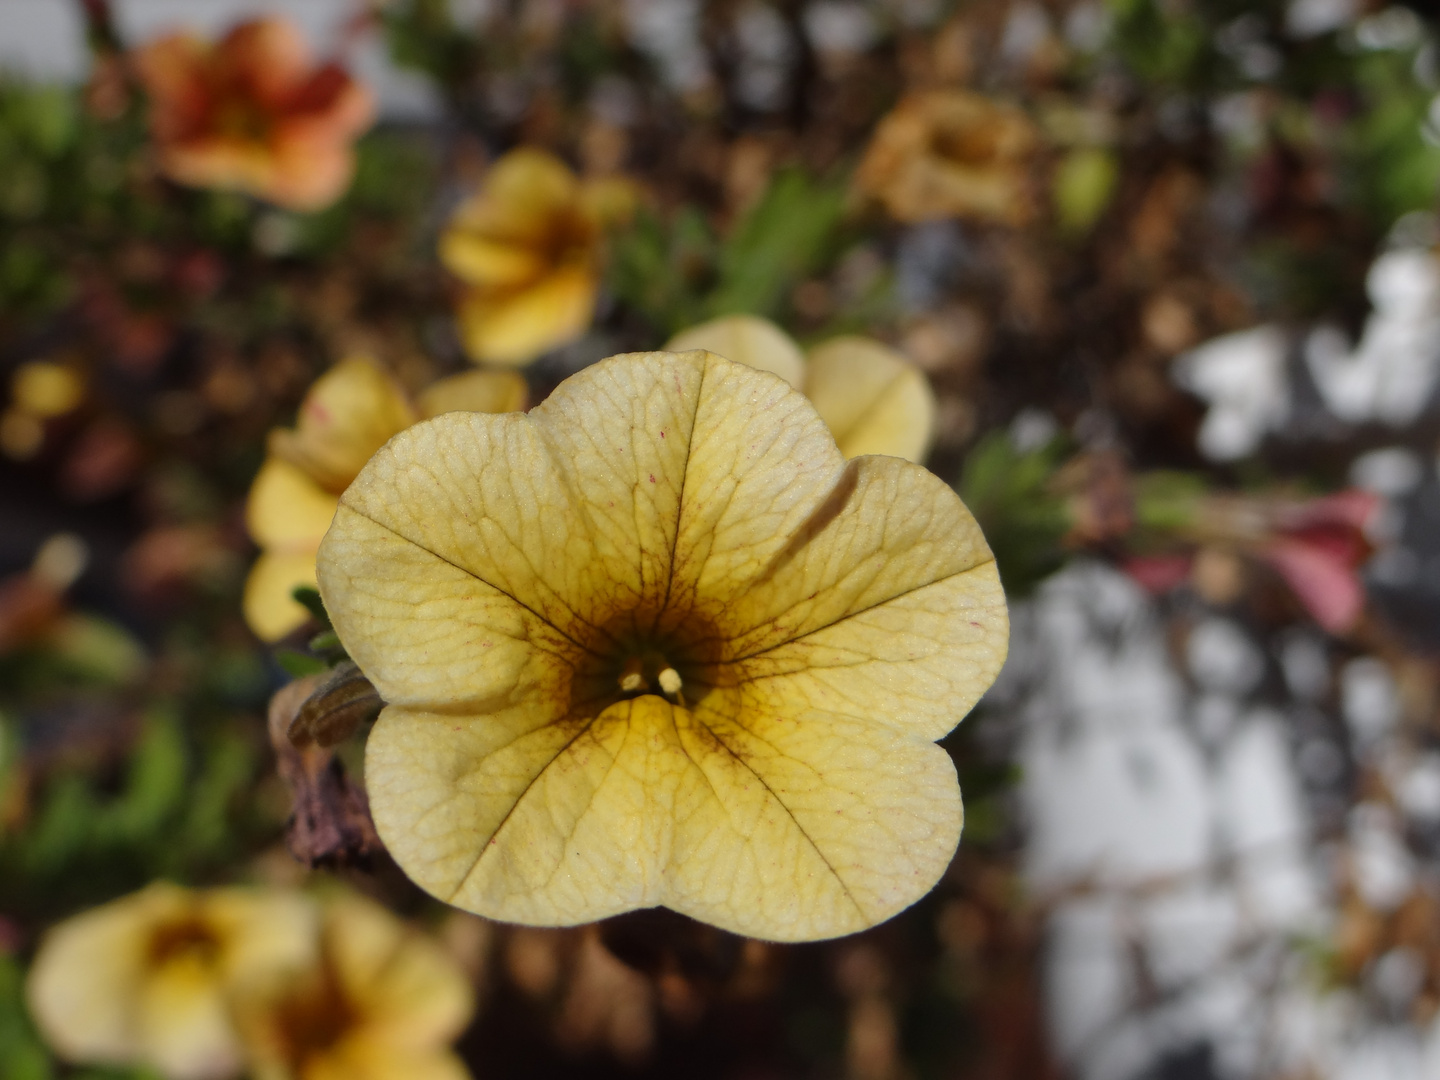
(658, 643)
(528, 245)
(951, 153)
(747, 339)
(347, 415)
(382, 1002)
(872, 398)
(146, 980)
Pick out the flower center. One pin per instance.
(974, 145)
(235, 117)
(635, 654)
(188, 938)
(313, 1018)
(643, 673)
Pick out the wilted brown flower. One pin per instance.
(951, 153)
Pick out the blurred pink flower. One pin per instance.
(1317, 546)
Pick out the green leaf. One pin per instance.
(308, 597)
(326, 641)
(297, 664)
(98, 650)
(155, 788)
(1083, 186)
(784, 238)
(48, 116)
(661, 270)
(63, 828)
(227, 770)
(1007, 491)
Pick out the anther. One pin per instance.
(632, 676)
(670, 681)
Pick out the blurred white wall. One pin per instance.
(44, 40)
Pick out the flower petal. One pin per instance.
(1329, 587)
(267, 56)
(371, 1059)
(184, 1024)
(482, 260)
(83, 982)
(523, 194)
(873, 399)
(270, 608)
(820, 825)
(573, 513)
(171, 68)
(348, 414)
(419, 616)
(415, 997)
(308, 168)
(475, 391)
(890, 611)
(746, 339)
(762, 464)
(513, 327)
(287, 509)
(219, 162)
(786, 828)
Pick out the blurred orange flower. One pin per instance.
(951, 153)
(382, 1003)
(528, 246)
(347, 415)
(251, 113)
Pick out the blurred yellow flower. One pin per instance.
(40, 390)
(382, 1002)
(46, 389)
(746, 339)
(146, 980)
(251, 113)
(951, 153)
(871, 397)
(347, 415)
(528, 245)
(657, 643)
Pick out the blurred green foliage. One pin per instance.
(1084, 183)
(678, 273)
(1390, 150)
(1008, 491)
(172, 809)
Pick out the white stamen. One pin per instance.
(670, 681)
(632, 678)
